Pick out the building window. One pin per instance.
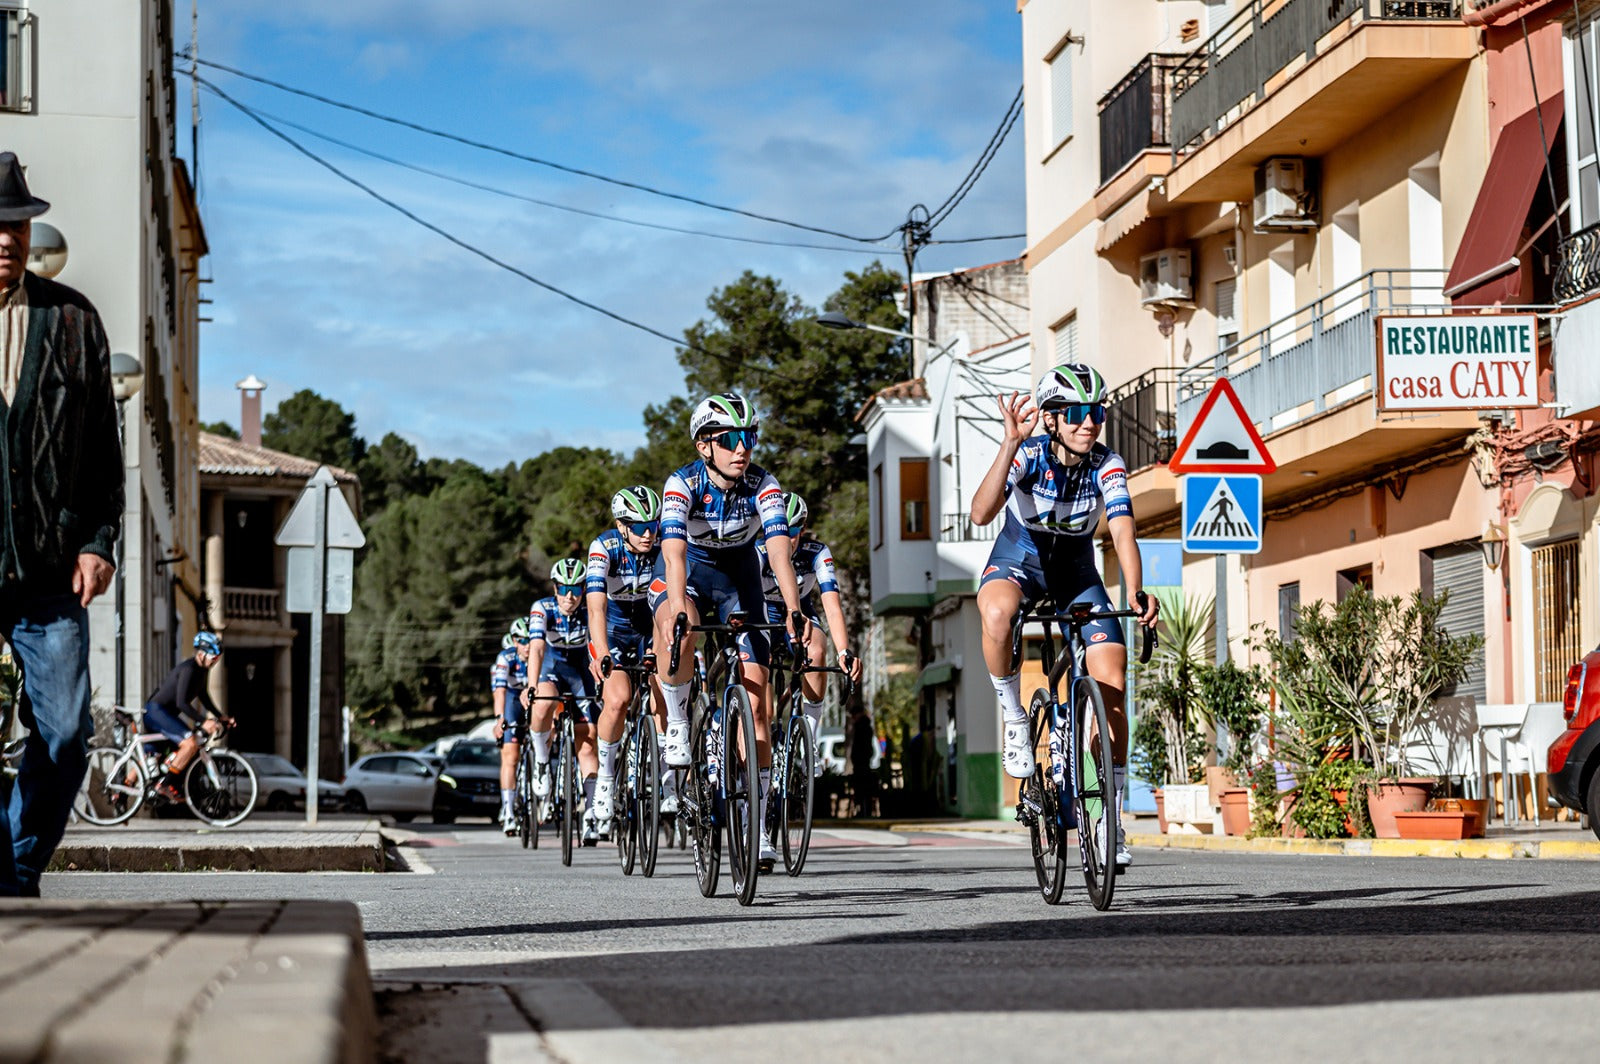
(1556, 617)
(1582, 98)
(914, 498)
(1345, 236)
(1065, 337)
(1289, 612)
(1226, 302)
(14, 89)
(1350, 579)
(1058, 73)
(877, 505)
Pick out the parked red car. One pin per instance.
(1575, 756)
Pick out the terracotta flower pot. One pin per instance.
(1479, 808)
(1341, 796)
(1386, 799)
(1433, 824)
(1287, 828)
(1236, 811)
(1161, 810)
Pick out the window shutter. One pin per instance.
(1061, 96)
(1066, 337)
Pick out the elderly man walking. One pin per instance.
(61, 472)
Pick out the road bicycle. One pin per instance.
(1077, 791)
(637, 820)
(563, 808)
(524, 803)
(218, 786)
(795, 757)
(720, 789)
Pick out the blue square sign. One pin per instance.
(1221, 513)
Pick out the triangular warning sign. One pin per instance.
(1222, 438)
(1222, 518)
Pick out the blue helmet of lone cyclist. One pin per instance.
(208, 648)
(1072, 405)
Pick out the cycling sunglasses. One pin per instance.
(569, 589)
(1078, 413)
(733, 439)
(644, 528)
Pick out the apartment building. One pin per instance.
(87, 103)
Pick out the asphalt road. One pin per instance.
(937, 947)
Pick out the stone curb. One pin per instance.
(212, 854)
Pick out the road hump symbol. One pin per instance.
(1222, 438)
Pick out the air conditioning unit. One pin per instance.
(1164, 278)
(1284, 196)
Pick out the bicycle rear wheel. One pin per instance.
(705, 833)
(743, 791)
(569, 793)
(795, 805)
(1095, 803)
(114, 786)
(624, 824)
(527, 804)
(1046, 831)
(220, 788)
(647, 794)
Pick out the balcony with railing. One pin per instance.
(1404, 46)
(1142, 420)
(1578, 265)
(250, 604)
(1136, 114)
(958, 528)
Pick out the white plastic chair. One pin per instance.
(1528, 751)
(1497, 723)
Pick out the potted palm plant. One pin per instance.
(1167, 732)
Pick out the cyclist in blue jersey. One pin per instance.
(508, 677)
(622, 563)
(558, 626)
(712, 512)
(813, 569)
(1052, 487)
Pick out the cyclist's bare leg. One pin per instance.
(755, 678)
(815, 684)
(541, 715)
(663, 643)
(998, 604)
(588, 756)
(614, 698)
(1108, 664)
(179, 759)
(510, 750)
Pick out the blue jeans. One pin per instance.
(49, 636)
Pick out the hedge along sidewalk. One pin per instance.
(253, 846)
(1491, 849)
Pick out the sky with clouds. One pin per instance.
(835, 113)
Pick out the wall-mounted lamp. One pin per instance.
(1493, 545)
(47, 250)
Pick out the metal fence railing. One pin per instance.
(1578, 265)
(1135, 115)
(958, 528)
(1142, 419)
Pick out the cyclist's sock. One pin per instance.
(541, 747)
(1119, 780)
(506, 795)
(1009, 688)
(676, 695)
(608, 758)
(764, 778)
(588, 792)
(814, 713)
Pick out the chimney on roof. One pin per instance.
(250, 409)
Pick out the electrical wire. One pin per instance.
(534, 159)
(944, 210)
(479, 252)
(980, 239)
(468, 183)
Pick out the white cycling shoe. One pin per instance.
(541, 780)
(603, 804)
(675, 744)
(508, 822)
(767, 854)
(1123, 855)
(1018, 757)
(669, 805)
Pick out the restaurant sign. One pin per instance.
(1465, 362)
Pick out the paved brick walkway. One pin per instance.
(281, 981)
(254, 846)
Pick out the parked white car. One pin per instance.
(832, 751)
(283, 786)
(398, 783)
(440, 747)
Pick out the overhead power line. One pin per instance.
(474, 249)
(480, 186)
(534, 159)
(945, 209)
(982, 239)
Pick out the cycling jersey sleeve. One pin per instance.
(675, 508)
(594, 577)
(500, 673)
(769, 504)
(1021, 464)
(1112, 478)
(827, 579)
(536, 623)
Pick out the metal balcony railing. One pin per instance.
(1318, 357)
(958, 528)
(1142, 419)
(1135, 115)
(1578, 265)
(250, 604)
(1228, 73)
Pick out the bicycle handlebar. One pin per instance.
(1077, 618)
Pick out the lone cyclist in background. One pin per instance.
(1052, 487)
(174, 701)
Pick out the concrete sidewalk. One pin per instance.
(352, 845)
(278, 981)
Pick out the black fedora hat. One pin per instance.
(16, 202)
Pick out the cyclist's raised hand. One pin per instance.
(1019, 414)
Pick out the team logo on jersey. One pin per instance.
(1116, 480)
(1098, 637)
(706, 499)
(658, 587)
(1049, 474)
(991, 569)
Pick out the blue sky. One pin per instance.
(838, 114)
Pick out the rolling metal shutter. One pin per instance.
(1459, 570)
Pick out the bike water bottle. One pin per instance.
(714, 737)
(1058, 758)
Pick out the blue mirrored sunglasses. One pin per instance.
(569, 589)
(733, 439)
(1077, 413)
(644, 528)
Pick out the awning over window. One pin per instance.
(1495, 228)
(940, 672)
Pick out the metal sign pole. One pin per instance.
(319, 585)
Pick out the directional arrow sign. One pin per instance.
(1222, 514)
(1222, 438)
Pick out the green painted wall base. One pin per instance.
(980, 785)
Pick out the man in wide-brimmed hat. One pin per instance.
(61, 466)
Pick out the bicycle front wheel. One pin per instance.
(114, 786)
(569, 793)
(743, 791)
(220, 788)
(795, 804)
(527, 804)
(1095, 800)
(698, 801)
(647, 795)
(624, 825)
(1046, 831)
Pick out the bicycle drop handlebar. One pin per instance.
(682, 627)
(1081, 614)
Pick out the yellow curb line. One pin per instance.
(1482, 849)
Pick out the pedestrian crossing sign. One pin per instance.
(1222, 513)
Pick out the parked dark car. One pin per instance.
(1574, 758)
(470, 782)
